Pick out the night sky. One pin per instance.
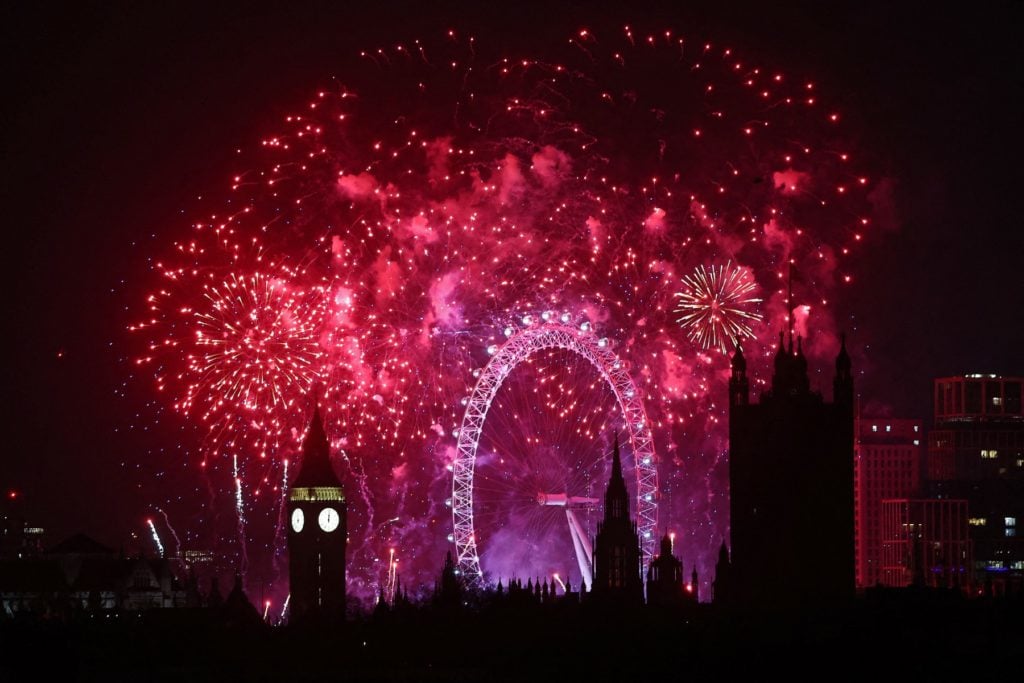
(115, 116)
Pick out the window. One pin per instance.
(977, 521)
(989, 455)
(917, 442)
(1010, 533)
(888, 428)
(1011, 521)
(917, 428)
(874, 428)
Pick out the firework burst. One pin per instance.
(718, 306)
(406, 218)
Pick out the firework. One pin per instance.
(156, 537)
(718, 306)
(415, 213)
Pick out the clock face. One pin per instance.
(298, 520)
(329, 519)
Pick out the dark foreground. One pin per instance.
(878, 638)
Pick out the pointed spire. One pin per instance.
(843, 364)
(616, 460)
(315, 467)
(780, 355)
(666, 545)
(801, 365)
(616, 498)
(739, 363)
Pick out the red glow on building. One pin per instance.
(887, 464)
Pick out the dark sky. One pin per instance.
(115, 115)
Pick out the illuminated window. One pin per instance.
(997, 401)
(874, 428)
(917, 428)
(1011, 533)
(1011, 521)
(977, 521)
(1020, 462)
(989, 455)
(888, 428)
(917, 442)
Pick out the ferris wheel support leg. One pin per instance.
(584, 553)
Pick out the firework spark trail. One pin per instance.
(174, 534)
(279, 544)
(156, 537)
(385, 237)
(240, 513)
(391, 582)
(284, 607)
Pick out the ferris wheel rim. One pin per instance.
(519, 346)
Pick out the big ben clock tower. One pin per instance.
(316, 532)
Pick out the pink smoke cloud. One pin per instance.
(357, 186)
(656, 221)
(550, 164)
(790, 181)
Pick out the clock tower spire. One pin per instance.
(317, 533)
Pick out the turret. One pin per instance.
(790, 378)
(739, 387)
(721, 587)
(842, 385)
(800, 379)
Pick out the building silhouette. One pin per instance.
(721, 586)
(887, 465)
(976, 453)
(316, 533)
(791, 485)
(448, 588)
(617, 577)
(665, 584)
(925, 542)
(80, 575)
